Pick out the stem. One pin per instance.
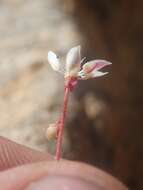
(61, 125)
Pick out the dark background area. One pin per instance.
(112, 138)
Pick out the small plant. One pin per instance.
(72, 71)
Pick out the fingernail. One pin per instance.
(60, 183)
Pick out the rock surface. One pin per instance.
(30, 92)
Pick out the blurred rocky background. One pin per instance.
(105, 123)
(30, 91)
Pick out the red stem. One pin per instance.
(61, 124)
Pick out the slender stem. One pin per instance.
(61, 124)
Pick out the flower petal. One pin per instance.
(98, 74)
(73, 60)
(92, 74)
(53, 60)
(95, 65)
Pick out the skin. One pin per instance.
(23, 168)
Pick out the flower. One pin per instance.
(72, 71)
(73, 68)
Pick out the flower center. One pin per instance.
(70, 82)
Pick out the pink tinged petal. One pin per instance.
(95, 65)
(73, 61)
(53, 61)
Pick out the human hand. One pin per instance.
(26, 169)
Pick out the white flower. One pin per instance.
(73, 67)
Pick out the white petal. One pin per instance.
(98, 74)
(95, 65)
(53, 60)
(93, 74)
(73, 60)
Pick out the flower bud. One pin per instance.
(95, 65)
(91, 69)
(51, 132)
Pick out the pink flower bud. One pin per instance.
(90, 69)
(95, 65)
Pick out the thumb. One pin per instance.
(63, 175)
